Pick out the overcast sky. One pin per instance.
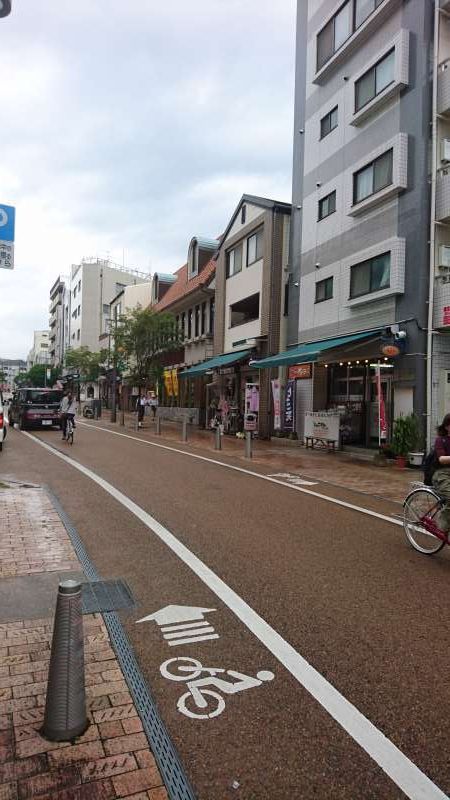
(129, 126)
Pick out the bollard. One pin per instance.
(248, 444)
(65, 706)
(218, 439)
(122, 416)
(158, 426)
(184, 433)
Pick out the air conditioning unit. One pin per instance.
(445, 151)
(444, 255)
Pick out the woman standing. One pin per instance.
(441, 477)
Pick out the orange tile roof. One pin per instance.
(182, 286)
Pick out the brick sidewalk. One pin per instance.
(112, 759)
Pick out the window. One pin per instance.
(334, 34)
(327, 205)
(183, 324)
(329, 122)
(106, 309)
(255, 247)
(79, 286)
(75, 293)
(375, 80)
(244, 311)
(363, 9)
(203, 318)
(372, 178)
(212, 311)
(234, 261)
(370, 276)
(341, 26)
(190, 314)
(286, 300)
(78, 334)
(324, 290)
(197, 320)
(243, 214)
(79, 310)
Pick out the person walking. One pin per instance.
(441, 477)
(153, 403)
(141, 402)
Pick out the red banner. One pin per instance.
(382, 428)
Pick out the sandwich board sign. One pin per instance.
(7, 224)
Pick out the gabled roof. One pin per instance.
(183, 287)
(263, 202)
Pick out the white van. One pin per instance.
(2, 422)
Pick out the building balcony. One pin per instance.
(443, 87)
(443, 195)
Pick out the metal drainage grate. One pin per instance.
(177, 784)
(101, 596)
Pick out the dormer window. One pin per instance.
(243, 214)
(193, 259)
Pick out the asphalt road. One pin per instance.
(290, 576)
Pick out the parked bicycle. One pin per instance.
(69, 429)
(204, 703)
(421, 510)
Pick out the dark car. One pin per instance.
(35, 408)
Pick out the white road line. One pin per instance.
(194, 639)
(185, 626)
(195, 633)
(262, 477)
(403, 772)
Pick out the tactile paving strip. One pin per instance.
(164, 750)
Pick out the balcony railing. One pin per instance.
(443, 98)
(443, 195)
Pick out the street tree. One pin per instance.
(2, 376)
(36, 376)
(141, 338)
(87, 363)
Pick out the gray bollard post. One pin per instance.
(65, 706)
(248, 444)
(218, 439)
(184, 432)
(158, 426)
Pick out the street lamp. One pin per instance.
(5, 8)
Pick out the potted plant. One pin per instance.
(416, 453)
(403, 438)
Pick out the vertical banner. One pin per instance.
(289, 406)
(276, 404)
(175, 382)
(168, 382)
(382, 431)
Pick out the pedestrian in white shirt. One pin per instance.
(68, 408)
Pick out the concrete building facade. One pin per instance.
(40, 351)
(361, 207)
(59, 321)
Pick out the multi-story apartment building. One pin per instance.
(59, 311)
(361, 209)
(93, 285)
(250, 315)
(40, 352)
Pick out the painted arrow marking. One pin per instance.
(182, 624)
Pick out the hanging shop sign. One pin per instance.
(175, 382)
(390, 350)
(300, 372)
(322, 425)
(276, 394)
(168, 382)
(289, 406)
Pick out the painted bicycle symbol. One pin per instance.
(205, 703)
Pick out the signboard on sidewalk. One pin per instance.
(7, 226)
(322, 425)
(276, 392)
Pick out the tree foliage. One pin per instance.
(87, 363)
(36, 377)
(141, 338)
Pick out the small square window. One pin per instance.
(372, 178)
(329, 122)
(327, 205)
(255, 247)
(370, 276)
(324, 290)
(234, 261)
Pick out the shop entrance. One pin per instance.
(352, 390)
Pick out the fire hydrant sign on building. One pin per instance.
(7, 224)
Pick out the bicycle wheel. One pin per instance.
(185, 669)
(418, 504)
(187, 699)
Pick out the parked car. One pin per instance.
(35, 408)
(3, 428)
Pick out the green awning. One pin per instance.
(224, 360)
(310, 352)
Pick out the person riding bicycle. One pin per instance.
(441, 477)
(68, 408)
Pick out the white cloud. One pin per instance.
(133, 126)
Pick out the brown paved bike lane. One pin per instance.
(330, 586)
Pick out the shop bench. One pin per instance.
(321, 444)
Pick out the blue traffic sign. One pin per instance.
(7, 221)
